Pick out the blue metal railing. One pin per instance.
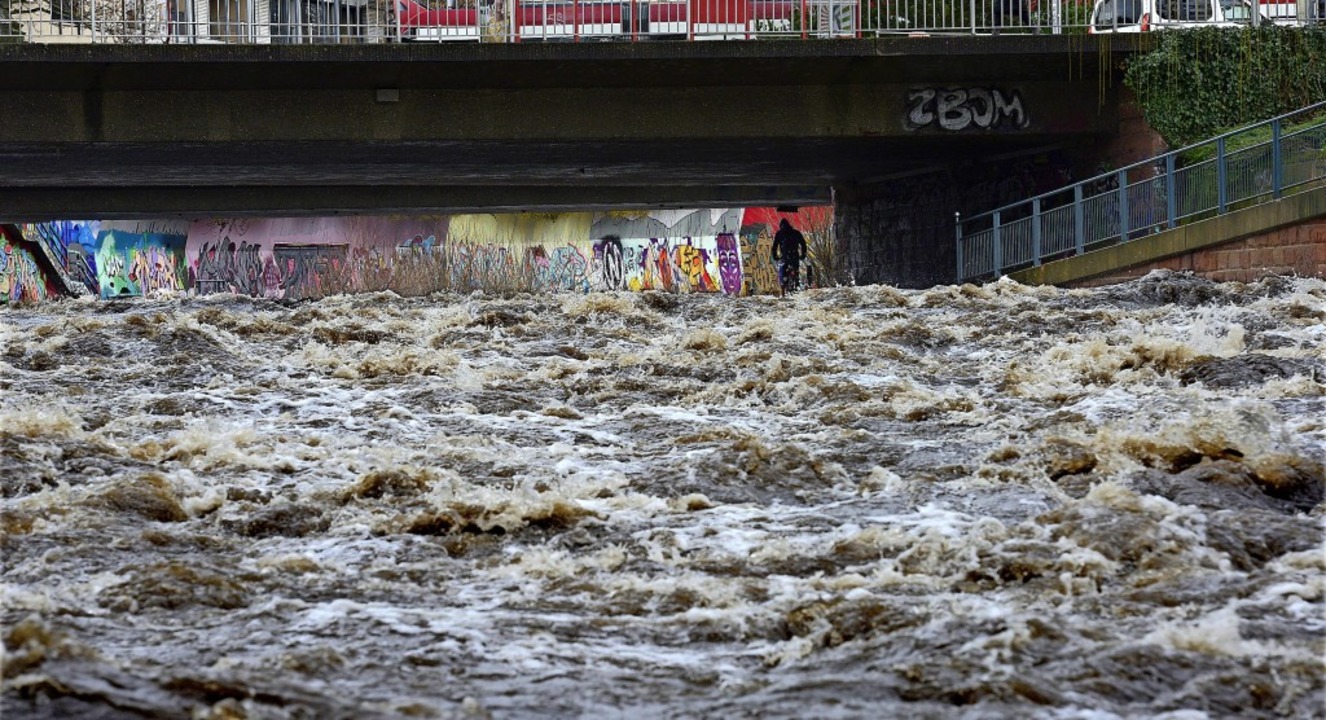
(1248, 166)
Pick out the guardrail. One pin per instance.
(1245, 167)
(357, 21)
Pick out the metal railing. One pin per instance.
(357, 21)
(1245, 167)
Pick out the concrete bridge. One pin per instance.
(898, 132)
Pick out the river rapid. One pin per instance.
(974, 502)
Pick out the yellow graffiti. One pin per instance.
(20, 279)
(757, 268)
(692, 262)
(153, 268)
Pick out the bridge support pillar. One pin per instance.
(900, 231)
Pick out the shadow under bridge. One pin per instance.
(141, 131)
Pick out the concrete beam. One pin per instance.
(1044, 108)
(18, 205)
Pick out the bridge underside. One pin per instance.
(319, 178)
(153, 131)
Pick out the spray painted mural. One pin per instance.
(21, 277)
(760, 272)
(117, 259)
(73, 244)
(713, 250)
(134, 264)
(673, 251)
(295, 258)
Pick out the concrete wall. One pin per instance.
(901, 231)
(709, 250)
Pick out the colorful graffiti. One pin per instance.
(693, 264)
(758, 226)
(684, 265)
(134, 264)
(73, 244)
(758, 272)
(729, 263)
(709, 251)
(56, 237)
(564, 269)
(21, 277)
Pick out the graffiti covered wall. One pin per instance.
(712, 250)
(133, 264)
(760, 272)
(117, 259)
(21, 277)
(74, 245)
(674, 251)
(541, 251)
(294, 258)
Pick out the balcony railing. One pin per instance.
(1246, 167)
(358, 21)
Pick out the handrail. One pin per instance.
(1111, 208)
(1152, 160)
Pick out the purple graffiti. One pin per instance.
(729, 263)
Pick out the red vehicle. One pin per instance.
(575, 20)
(420, 23)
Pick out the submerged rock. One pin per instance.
(1223, 484)
(1251, 369)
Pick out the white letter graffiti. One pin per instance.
(952, 113)
(920, 100)
(960, 109)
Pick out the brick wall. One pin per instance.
(1136, 140)
(1296, 250)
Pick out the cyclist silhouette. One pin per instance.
(789, 246)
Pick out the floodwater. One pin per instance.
(975, 502)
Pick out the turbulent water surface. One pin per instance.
(1000, 501)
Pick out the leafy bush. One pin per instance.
(1201, 82)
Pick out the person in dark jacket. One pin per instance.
(789, 246)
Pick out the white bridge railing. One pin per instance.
(360, 21)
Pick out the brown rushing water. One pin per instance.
(862, 502)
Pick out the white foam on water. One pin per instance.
(890, 453)
(1215, 633)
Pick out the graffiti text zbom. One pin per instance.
(964, 108)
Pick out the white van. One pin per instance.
(1132, 16)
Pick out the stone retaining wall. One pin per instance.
(1297, 250)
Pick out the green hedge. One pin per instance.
(1202, 82)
